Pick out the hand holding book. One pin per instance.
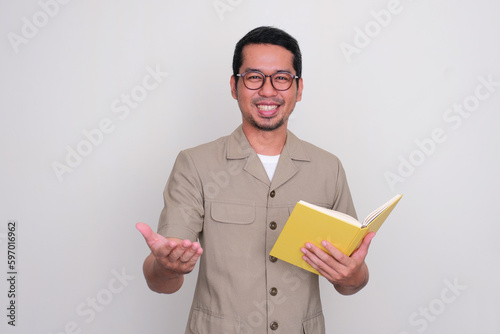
(348, 274)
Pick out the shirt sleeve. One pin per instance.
(183, 211)
(343, 199)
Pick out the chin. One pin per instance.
(269, 127)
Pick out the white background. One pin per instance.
(76, 232)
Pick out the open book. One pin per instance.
(312, 223)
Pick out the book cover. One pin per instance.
(311, 223)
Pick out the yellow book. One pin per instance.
(312, 223)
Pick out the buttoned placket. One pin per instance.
(275, 220)
(272, 288)
(285, 170)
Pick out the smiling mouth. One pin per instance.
(267, 107)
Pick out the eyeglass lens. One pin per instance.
(280, 81)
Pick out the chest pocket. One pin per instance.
(232, 213)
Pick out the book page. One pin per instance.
(340, 215)
(378, 211)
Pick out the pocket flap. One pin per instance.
(205, 323)
(232, 213)
(314, 325)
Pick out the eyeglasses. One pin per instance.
(255, 80)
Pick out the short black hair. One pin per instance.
(268, 35)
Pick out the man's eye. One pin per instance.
(282, 78)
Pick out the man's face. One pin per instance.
(266, 108)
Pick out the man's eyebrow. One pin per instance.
(252, 70)
(259, 70)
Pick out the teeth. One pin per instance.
(267, 107)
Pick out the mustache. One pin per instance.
(268, 99)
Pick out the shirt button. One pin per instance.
(272, 258)
(272, 194)
(273, 225)
(273, 325)
(273, 291)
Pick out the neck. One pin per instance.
(266, 142)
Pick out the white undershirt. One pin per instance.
(270, 162)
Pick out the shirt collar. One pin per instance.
(239, 147)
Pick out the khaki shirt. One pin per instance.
(220, 194)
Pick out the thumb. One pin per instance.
(145, 230)
(151, 237)
(362, 251)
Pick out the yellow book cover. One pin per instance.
(312, 223)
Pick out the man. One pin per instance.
(235, 195)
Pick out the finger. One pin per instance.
(178, 251)
(196, 255)
(313, 264)
(164, 249)
(310, 258)
(322, 255)
(335, 252)
(362, 251)
(187, 261)
(319, 260)
(191, 254)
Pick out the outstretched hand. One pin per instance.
(173, 257)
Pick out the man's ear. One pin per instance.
(234, 91)
(299, 90)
